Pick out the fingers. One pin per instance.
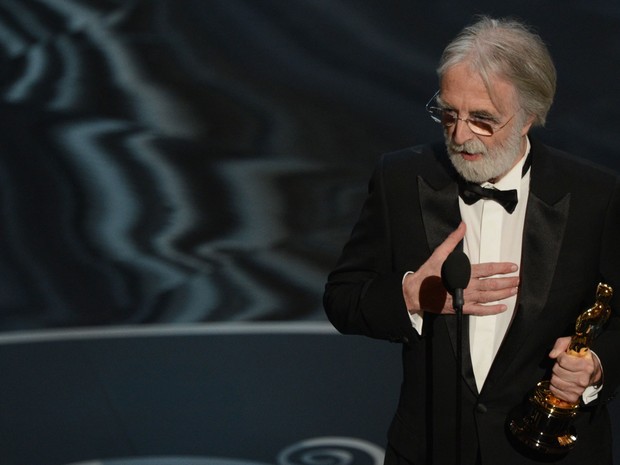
(560, 346)
(485, 270)
(481, 303)
(571, 374)
(483, 289)
(568, 392)
(492, 291)
(484, 310)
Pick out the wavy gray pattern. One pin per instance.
(188, 160)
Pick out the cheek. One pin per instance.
(492, 148)
(494, 145)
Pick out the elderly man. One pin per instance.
(537, 251)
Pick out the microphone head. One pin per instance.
(456, 271)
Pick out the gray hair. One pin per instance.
(509, 49)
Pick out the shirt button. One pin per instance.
(481, 408)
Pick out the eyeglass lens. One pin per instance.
(449, 119)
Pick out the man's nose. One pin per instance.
(461, 132)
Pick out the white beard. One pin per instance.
(493, 164)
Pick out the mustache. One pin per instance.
(470, 147)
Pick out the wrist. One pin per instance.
(596, 379)
(409, 295)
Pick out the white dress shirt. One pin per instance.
(494, 235)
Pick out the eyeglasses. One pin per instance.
(448, 118)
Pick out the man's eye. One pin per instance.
(484, 118)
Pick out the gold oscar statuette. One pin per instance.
(547, 425)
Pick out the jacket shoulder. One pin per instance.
(556, 173)
(429, 161)
(567, 164)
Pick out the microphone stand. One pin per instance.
(458, 309)
(455, 274)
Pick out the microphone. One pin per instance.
(455, 274)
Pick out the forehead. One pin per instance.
(463, 89)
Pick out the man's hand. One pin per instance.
(572, 374)
(424, 291)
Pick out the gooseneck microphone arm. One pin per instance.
(455, 274)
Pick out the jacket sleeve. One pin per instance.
(363, 294)
(607, 345)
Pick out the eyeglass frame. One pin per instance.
(470, 121)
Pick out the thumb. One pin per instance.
(559, 347)
(450, 243)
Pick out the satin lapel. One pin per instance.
(440, 211)
(543, 234)
(441, 215)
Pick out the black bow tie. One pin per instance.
(471, 193)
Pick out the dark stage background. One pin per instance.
(174, 161)
(177, 177)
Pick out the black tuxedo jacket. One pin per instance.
(571, 243)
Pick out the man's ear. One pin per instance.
(528, 124)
